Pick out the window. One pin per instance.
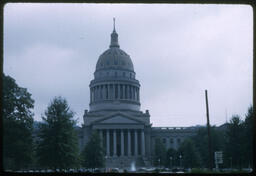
(123, 74)
(171, 141)
(164, 140)
(115, 74)
(130, 75)
(178, 140)
(115, 62)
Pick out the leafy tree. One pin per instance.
(248, 138)
(201, 143)
(58, 147)
(160, 153)
(171, 159)
(92, 155)
(17, 125)
(190, 156)
(234, 141)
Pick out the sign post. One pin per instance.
(218, 158)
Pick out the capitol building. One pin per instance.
(114, 112)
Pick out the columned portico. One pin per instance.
(122, 146)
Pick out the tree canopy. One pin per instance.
(17, 125)
(58, 145)
(92, 155)
(160, 153)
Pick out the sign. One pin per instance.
(218, 157)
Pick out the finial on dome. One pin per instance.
(114, 20)
(114, 36)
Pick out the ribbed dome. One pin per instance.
(114, 58)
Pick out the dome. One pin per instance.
(114, 57)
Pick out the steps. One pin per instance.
(126, 162)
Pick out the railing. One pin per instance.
(174, 128)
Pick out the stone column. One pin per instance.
(125, 91)
(101, 137)
(132, 91)
(118, 92)
(128, 91)
(94, 93)
(113, 91)
(102, 91)
(108, 148)
(135, 143)
(142, 143)
(122, 92)
(139, 94)
(114, 144)
(122, 142)
(135, 93)
(108, 86)
(97, 93)
(129, 143)
(90, 95)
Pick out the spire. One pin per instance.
(114, 20)
(114, 37)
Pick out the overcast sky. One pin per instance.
(178, 51)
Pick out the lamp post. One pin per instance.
(180, 160)
(106, 157)
(159, 162)
(230, 163)
(170, 162)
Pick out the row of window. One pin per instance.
(115, 63)
(171, 140)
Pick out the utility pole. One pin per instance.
(209, 134)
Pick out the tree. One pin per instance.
(92, 155)
(201, 143)
(190, 156)
(234, 141)
(248, 137)
(160, 153)
(58, 145)
(17, 125)
(171, 158)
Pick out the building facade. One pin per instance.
(114, 112)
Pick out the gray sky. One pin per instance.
(178, 51)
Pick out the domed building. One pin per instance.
(114, 111)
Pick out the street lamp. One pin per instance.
(230, 163)
(159, 162)
(106, 157)
(180, 160)
(170, 162)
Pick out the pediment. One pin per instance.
(118, 119)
